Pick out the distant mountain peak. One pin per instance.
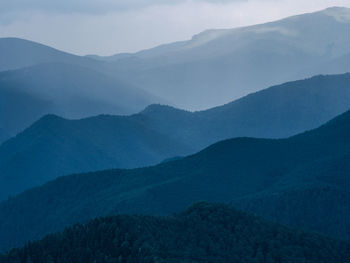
(207, 36)
(337, 9)
(25, 43)
(47, 120)
(341, 14)
(159, 108)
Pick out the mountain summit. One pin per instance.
(203, 233)
(219, 65)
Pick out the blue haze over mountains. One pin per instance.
(155, 131)
(233, 170)
(54, 146)
(213, 68)
(217, 66)
(68, 90)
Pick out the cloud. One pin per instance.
(89, 6)
(108, 27)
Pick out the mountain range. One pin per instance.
(313, 164)
(67, 90)
(203, 233)
(220, 65)
(55, 146)
(214, 67)
(84, 139)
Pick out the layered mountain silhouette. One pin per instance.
(54, 146)
(92, 137)
(67, 90)
(217, 66)
(228, 171)
(203, 233)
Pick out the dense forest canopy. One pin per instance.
(203, 233)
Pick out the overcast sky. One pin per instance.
(107, 27)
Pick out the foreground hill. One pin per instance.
(68, 90)
(203, 233)
(217, 66)
(161, 132)
(323, 209)
(236, 169)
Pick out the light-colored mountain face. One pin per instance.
(318, 33)
(217, 66)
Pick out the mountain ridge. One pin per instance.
(331, 11)
(234, 169)
(198, 75)
(17, 50)
(224, 66)
(71, 91)
(161, 132)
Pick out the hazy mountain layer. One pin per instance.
(54, 146)
(67, 90)
(161, 132)
(203, 233)
(217, 66)
(235, 169)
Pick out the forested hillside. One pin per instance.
(232, 145)
(241, 168)
(203, 233)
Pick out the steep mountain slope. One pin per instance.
(161, 132)
(203, 233)
(55, 146)
(235, 169)
(217, 66)
(68, 90)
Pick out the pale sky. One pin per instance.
(106, 27)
